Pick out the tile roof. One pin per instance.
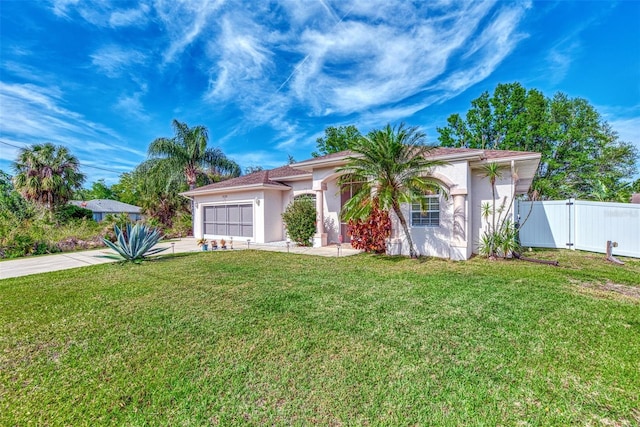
(266, 177)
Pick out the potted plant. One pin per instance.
(214, 244)
(202, 242)
(223, 244)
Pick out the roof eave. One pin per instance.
(524, 157)
(293, 177)
(235, 189)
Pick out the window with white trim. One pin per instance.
(427, 214)
(228, 220)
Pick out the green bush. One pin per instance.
(300, 220)
(69, 212)
(20, 237)
(181, 225)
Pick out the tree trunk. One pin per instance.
(403, 222)
(493, 194)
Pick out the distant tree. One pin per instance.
(336, 139)
(635, 187)
(578, 147)
(393, 165)
(98, 190)
(290, 159)
(128, 189)
(251, 169)
(47, 174)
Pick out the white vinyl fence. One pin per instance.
(579, 224)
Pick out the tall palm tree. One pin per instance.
(188, 151)
(47, 174)
(393, 165)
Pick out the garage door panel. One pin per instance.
(233, 214)
(221, 213)
(234, 230)
(247, 214)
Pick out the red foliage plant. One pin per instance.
(371, 233)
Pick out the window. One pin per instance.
(228, 220)
(430, 215)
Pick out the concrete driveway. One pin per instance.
(45, 263)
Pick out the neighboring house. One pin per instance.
(250, 207)
(103, 207)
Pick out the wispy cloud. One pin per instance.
(130, 17)
(240, 55)
(102, 13)
(39, 115)
(357, 58)
(114, 60)
(185, 21)
(132, 105)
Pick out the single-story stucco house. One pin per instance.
(103, 207)
(250, 207)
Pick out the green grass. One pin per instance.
(248, 337)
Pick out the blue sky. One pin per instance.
(105, 78)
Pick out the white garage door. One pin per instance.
(229, 220)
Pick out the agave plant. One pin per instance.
(136, 243)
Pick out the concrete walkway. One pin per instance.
(45, 263)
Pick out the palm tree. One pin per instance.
(392, 165)
(47, 174)
(188, 151)
(493, 171)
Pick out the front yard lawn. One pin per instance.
(249, 337)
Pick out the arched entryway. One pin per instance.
(346, 193)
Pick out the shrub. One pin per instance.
(371, 233)
(300, 220)
(135, 243)
(68, 212)
(181, 225)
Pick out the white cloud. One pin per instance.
(114, 60)
(185, 21)
(130, 17)
(241, 57)
(61, 7)
(132, 106)
(628, 129)
(371, 61)
(102, 13)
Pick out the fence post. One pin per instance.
(571, 213)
